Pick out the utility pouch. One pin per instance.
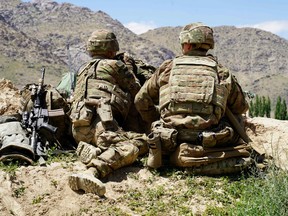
(81, 114)
(105, 113)
(217, 138)
(168, 138)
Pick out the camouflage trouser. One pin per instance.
(84, 133)
(116, 156)
(108, 150)
(96, 135)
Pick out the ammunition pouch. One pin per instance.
(220, 136)
(110, 99)
(105, 114)
(119, 100)
(81, 115)
(168, 137)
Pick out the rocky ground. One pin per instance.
(43, 190)
(9, 98)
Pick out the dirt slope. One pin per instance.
(9, 98)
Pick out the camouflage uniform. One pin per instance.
(190, 95)
(143, 72)
(104, 93)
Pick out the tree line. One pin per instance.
(261, 106)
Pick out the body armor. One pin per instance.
(89, 88)
(193, 88)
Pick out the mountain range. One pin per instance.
(44, 33)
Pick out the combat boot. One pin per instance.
(86, 152)
(87, 181)
(155, 151)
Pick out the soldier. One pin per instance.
(104, 93)
(192, 95)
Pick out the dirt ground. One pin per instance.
(44, 190)
(9, 98)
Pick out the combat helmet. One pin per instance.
(197, 33)
(101, 41)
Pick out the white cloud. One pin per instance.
(277, 27)
(140, 27)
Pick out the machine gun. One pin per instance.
(36, 120)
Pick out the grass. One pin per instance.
(63, 157)
(9, 167)
(255, 195)
(21, 73)
(174, 192)
(19, 192)
(37, 199)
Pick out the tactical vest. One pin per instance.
(89, 87)
(194, 88)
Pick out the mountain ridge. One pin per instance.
(257, 58)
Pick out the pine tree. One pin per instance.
(283, 110)
(261, 106)
(268, 107)
(257, 107)
(251, 109)
(278, 108)
(264, 105)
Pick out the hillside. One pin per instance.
(134, 190)
(38, 33)
(57, 25)
(18, 64)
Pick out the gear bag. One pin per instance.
(189, 155)
(14, 143)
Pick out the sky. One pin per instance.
(140, 16)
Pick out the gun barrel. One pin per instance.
(34, 140)
(41, 81)
(239, 129)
